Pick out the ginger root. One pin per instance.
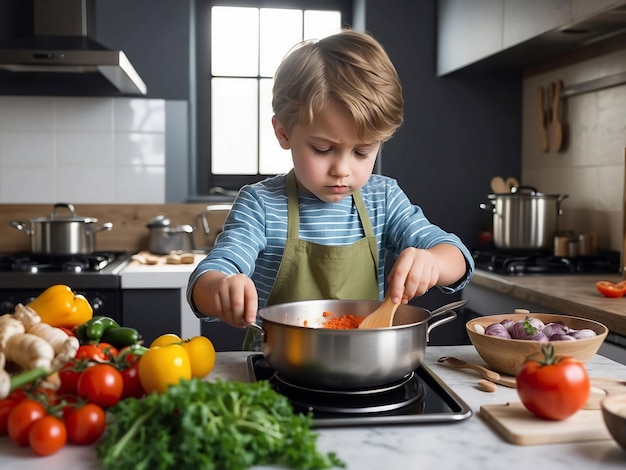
(29, 351)
(9, 326)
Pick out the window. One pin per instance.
(240, 45)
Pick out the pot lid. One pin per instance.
(160, 220)
(526, 192)
(55, 216)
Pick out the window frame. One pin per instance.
(205, 181)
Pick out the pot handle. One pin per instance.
(488, 207)
(259, 329)
(519, 189)
(448, 308)
(105, 226)
(21, 226)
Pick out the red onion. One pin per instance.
(583, 334)
(498, 330)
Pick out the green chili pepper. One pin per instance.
(95, 328)
(121, 336)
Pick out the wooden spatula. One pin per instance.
(382, 317)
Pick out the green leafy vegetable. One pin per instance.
(210, 425)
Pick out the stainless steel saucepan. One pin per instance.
(62, 233)
(300, 350)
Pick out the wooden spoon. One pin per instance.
(556, 129)
(498, 185)
(488, 374)
(382, 317)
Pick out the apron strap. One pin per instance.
(293, 212)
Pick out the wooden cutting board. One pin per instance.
(519, 426)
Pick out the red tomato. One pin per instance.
(6, 406)
(68, 375)
(110, 350)
(22, 418)
(609, 289)
(47, 435)
(554, 388)
(101, 384)
(130, 376)
(86, 424)
(91, 352)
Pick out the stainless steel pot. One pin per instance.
(59, 234)
(524, 219)
(165, 238)
(345, 359)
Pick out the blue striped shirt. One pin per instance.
(255, 230)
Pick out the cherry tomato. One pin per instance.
(22, 418)
(47, 435)
(85, 424)
(101, 384)
(130, 376)
(6, 406)
(110, 350)
(91, 352)
(68, 376)
(609, 289)
(553, 388)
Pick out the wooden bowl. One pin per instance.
(507, 355)
(614, 414)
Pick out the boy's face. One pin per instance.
(328, 158)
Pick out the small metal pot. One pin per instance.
(62, 234)
(524, 219)
(345, 359)
(165, 238)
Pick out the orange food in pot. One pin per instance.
(344, 322)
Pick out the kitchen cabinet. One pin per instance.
(516, 32)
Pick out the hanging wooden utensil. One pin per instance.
(543, 120)
(556, 129)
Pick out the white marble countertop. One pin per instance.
(469, 444)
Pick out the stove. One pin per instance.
(24, 275)
(420, 397)
(544, 262)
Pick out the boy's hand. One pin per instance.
(414, 272)
(233, 299)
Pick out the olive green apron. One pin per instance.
(310, 271)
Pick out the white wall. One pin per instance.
(82, 150)
(590, 169)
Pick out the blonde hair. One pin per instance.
(349, 67)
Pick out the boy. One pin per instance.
(323, 230)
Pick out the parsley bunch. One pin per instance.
(210, 425)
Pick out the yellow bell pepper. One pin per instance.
(58, 305)
(162, 366)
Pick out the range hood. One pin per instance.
(61, 52)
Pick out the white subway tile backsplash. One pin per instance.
(18, 113)
(27, 148)
(134, 114)
(22, 184)
(86, 184)
(85, 148)
(139, 148)
(84, 114)
(140, 184)
(82, 150)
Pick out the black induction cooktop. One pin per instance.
(419, 398)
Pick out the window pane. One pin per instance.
(280, 30)
(234, 41)
(272, 158)
(234, 126)
(319, 24)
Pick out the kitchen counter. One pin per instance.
(165, 276)
(467, 444)
(566, 294)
